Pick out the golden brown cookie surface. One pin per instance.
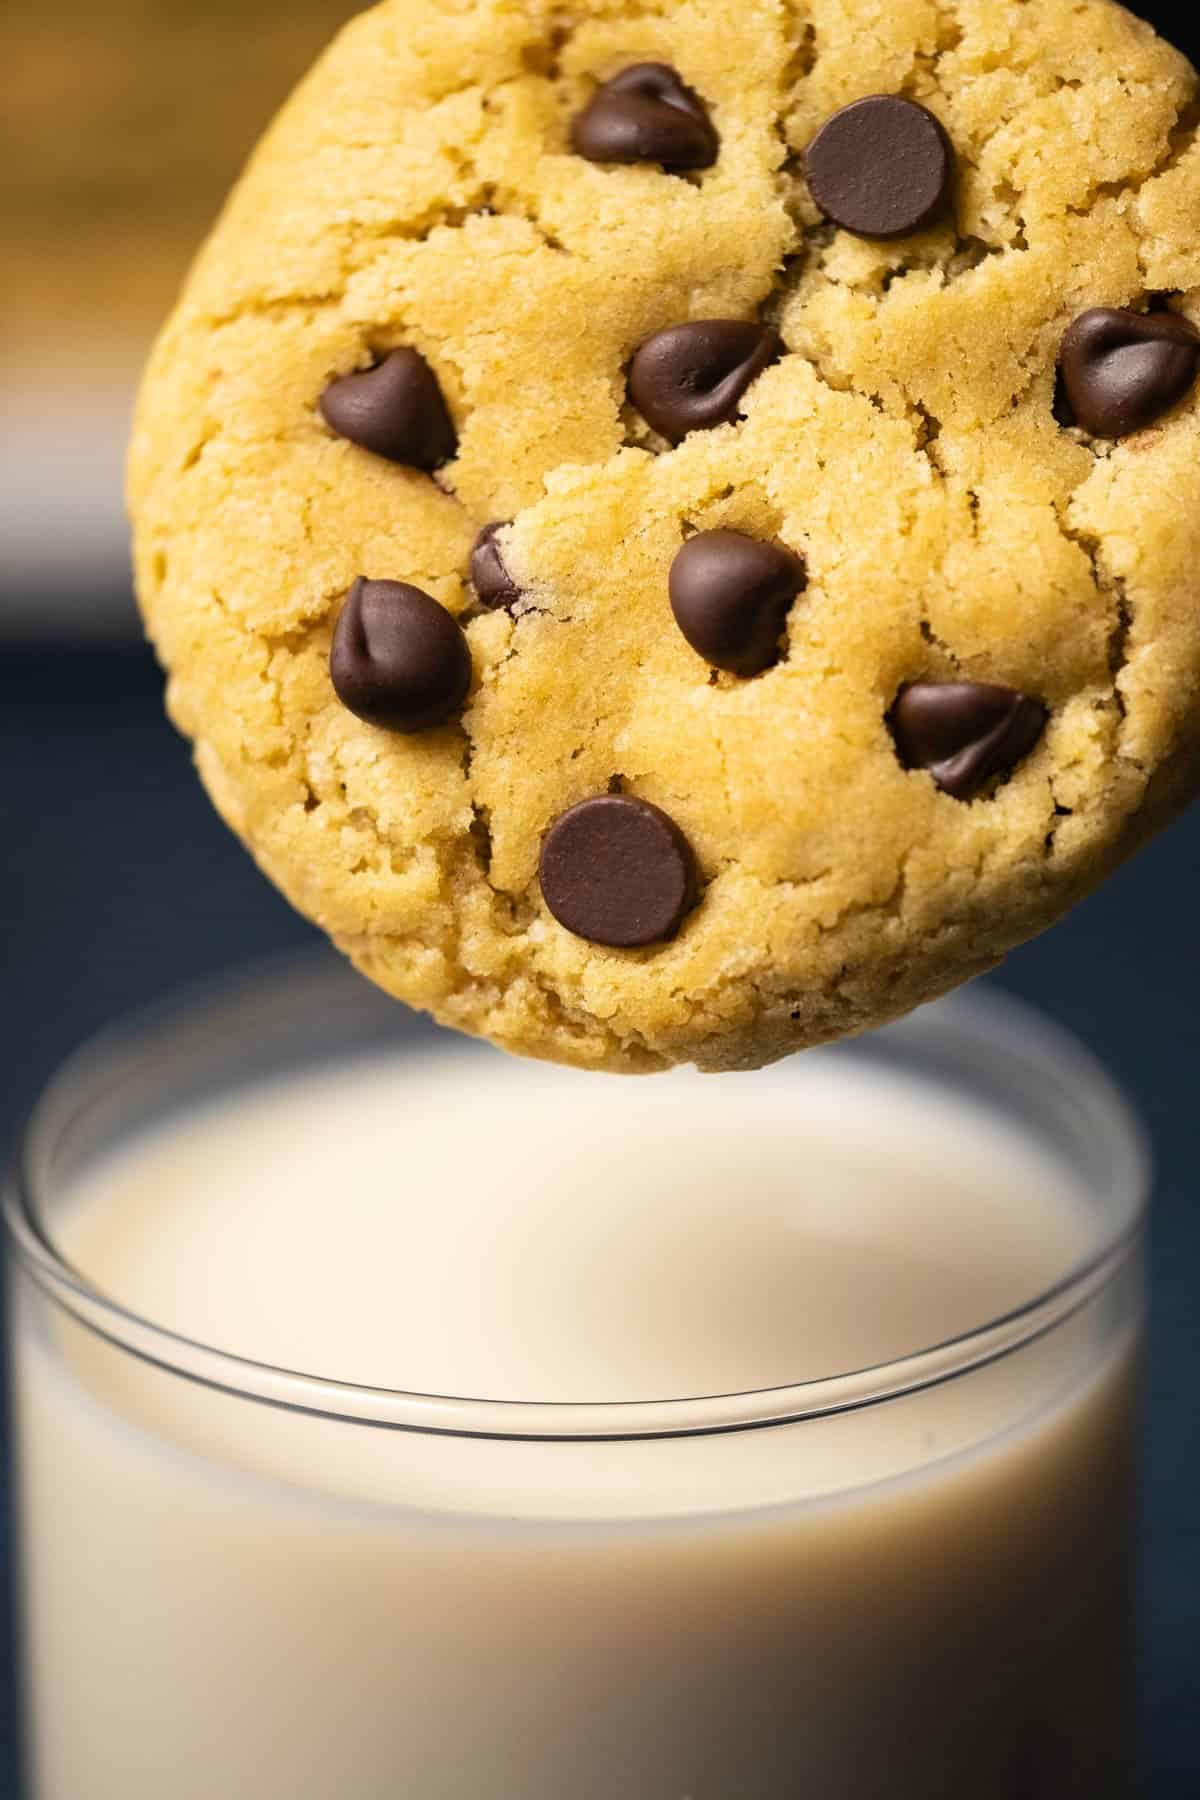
(936, 665)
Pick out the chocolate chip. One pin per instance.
(730, 595)
(882, 167)
(1122, 370)
(399, 659)
(617, 871)
(692, 377)
(646, 114)
(964, 732)
(395, 409)
(493, 584)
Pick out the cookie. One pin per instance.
(673, 527)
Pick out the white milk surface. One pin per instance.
(919, 1600)
(539, 1235)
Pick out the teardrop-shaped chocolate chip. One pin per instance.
(396, 410)
(618, 871)
(398, 660)
(882, 167)
(964, 732)
(731, 594)
(1121, 370)
(692, 377)
(646, 114)
(493, 584)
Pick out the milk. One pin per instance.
(923, 1598)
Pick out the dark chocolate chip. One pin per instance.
(395, 409)
(646, 114)
(493, 584)
(399, 659)
(730, 595)
(883, 167)
(692, 377)
(964, 732)
(1121, 371)
(617, 871)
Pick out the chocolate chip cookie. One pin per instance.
(674, 527)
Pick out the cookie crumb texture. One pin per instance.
(955, 522)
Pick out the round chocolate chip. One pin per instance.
(730, 595)
(493, 584)
(692, 377)
(617, 871)
(399, 659)
(964, 732)
(1123, 370)
(883, 167)
(395, 409)
(646, 114)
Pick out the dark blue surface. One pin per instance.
(120, 882)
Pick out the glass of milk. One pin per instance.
(400, 1422)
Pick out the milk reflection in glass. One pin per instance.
(919, 1599)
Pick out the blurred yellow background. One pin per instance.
(123, 124)
(126, 121)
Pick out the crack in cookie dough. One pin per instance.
(421, 192)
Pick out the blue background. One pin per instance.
(119, 883)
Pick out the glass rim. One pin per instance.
(988, 1019)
